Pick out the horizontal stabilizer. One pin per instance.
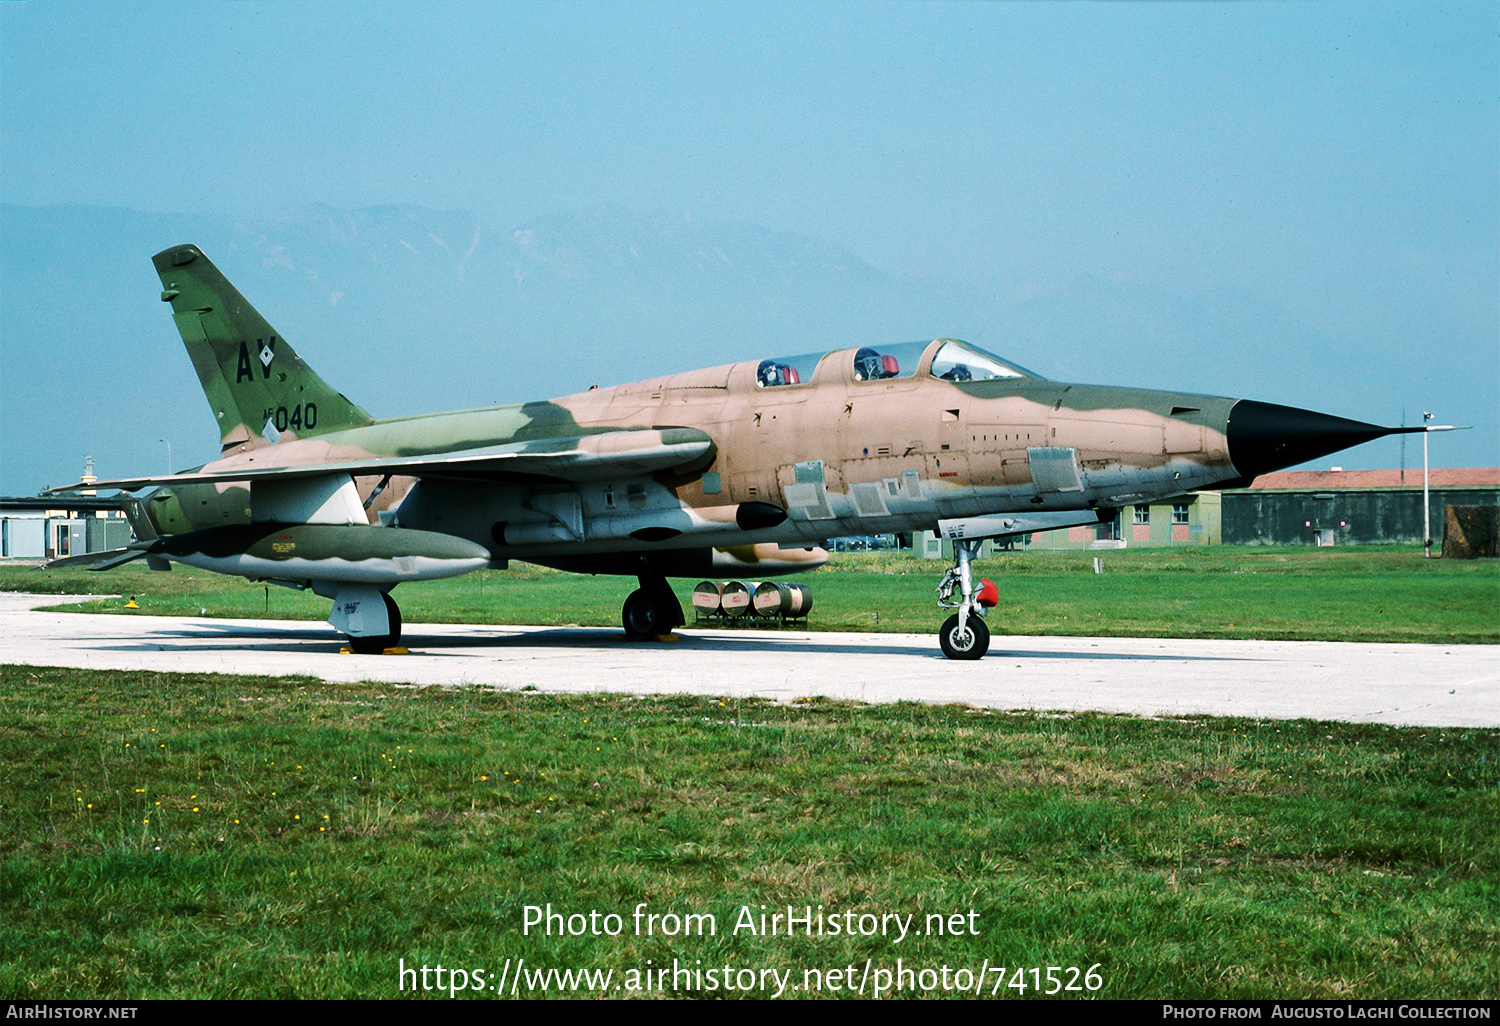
(96, 560)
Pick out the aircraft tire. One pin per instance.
(380, 642)
(643, 616)
(973, 643)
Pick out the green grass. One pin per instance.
(199, 836)
(1352, 594)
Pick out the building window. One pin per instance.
(1179, 513)
(1143, 514)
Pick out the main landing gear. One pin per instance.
(964, 635)
(378, 643)
(651, 609)
(367, 616)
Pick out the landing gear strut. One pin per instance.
(652, 608)
(964, 635)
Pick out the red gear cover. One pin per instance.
(987, 595)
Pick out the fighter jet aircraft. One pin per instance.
(742, 468)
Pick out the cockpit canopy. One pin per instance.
(774, 373)
(873, 365)
(959, 361)
(950, 360)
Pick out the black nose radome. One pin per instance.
(1264, 437)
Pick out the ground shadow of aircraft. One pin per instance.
(224, 636)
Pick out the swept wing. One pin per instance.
(579, 458)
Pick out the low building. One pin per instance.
(54, 527)
(1351, 507)
(1289, 507)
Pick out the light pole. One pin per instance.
(169, 455)
(1426, 508)
(1428, 429)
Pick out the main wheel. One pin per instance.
(643, 616)
(376, 644)
(970, 643)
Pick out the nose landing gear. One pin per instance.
(965, 635)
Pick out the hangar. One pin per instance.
(1351, 507)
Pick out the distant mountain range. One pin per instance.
(410, 310)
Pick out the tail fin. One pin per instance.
(249, 373)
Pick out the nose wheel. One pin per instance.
(965, 635)
(967, 640)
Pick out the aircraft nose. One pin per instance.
(1264, 436)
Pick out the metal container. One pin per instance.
(767, 599)
(706, 598)
(796, 600)
(735, 599)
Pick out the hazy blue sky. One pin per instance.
(1339, 159)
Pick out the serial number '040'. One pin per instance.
(298, 418)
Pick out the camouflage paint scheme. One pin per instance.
(747, 466)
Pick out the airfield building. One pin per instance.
(51, 528)
(1351, 507)
(1289, 507)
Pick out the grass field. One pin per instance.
(1352, 594)
(198, 836)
